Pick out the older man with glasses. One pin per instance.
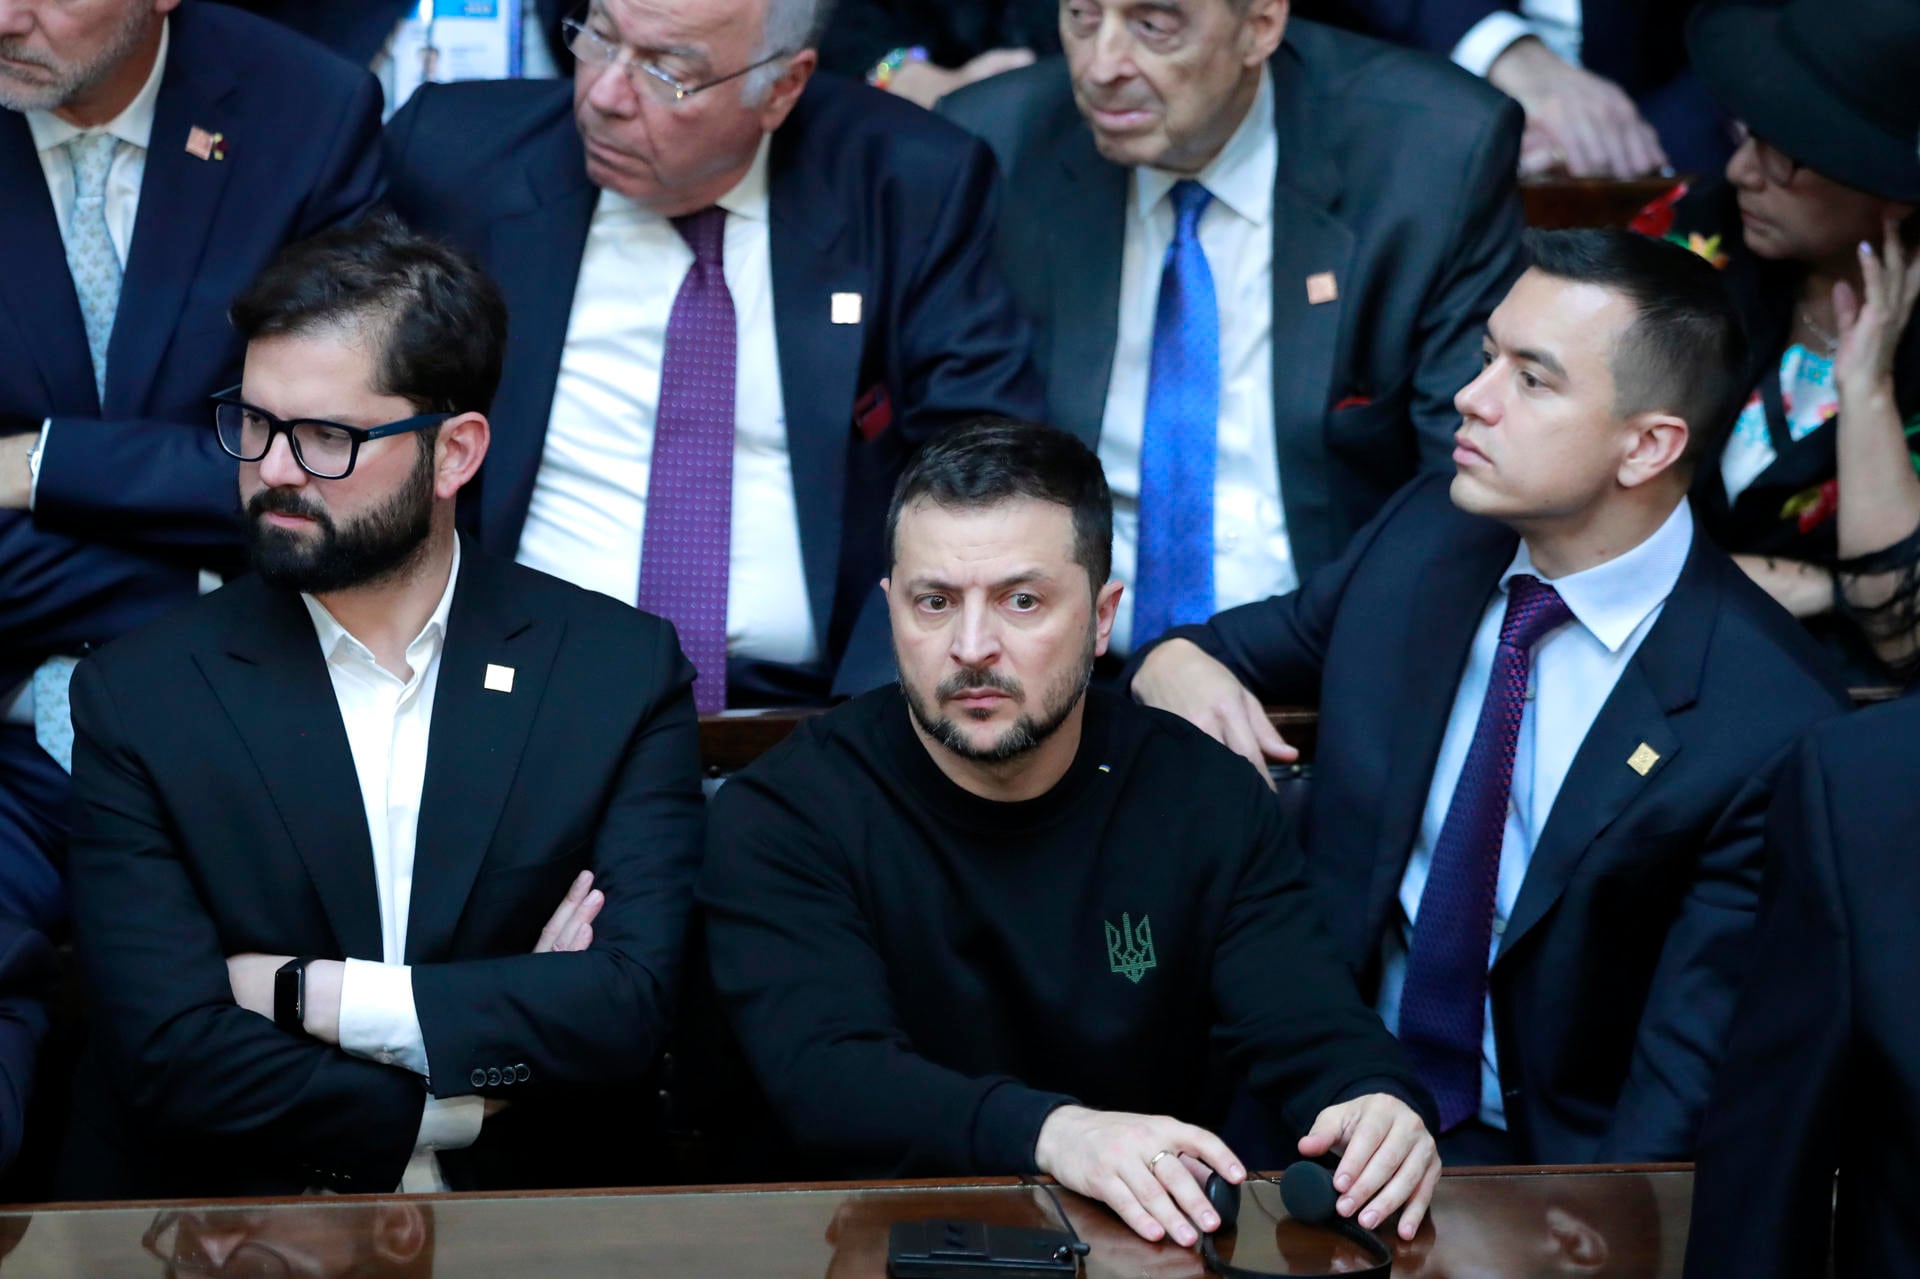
(740, 295)
(382, 855)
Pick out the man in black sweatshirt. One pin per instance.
(992, 922)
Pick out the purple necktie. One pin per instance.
(1443, 1004)
(683, 553)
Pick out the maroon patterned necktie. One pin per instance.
(1443, 1004)
(689, 531)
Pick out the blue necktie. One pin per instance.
(1173, 575)
(1443, 1004)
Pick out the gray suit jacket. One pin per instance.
(1396, 175)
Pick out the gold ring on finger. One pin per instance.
(1157, 1158)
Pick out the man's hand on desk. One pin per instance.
(1388, 1159)
(1134, 1164)
(1179, 677)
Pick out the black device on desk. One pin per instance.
(974, 1250)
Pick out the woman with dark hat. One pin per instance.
(1816, 490)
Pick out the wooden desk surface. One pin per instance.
(1500, 1225)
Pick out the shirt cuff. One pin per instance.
(1488, 38)
(377, 1016)
(450, 1123)
(1006, 1128)
(34, 459)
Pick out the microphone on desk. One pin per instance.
(1307, 1191)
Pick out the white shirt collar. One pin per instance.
(337, 642)
(747, 199)
(1241, 177)
(133, 125)
(1612, 599)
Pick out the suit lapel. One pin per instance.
(36, 290)
(476, 744)
(1309, 244)
(1448, 601)
(534, 255)
(178, 197)
(819, 360)
(1084, 260)
(1661, 680)
(272, 679)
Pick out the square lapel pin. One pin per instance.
(499, 678)
(204, 145)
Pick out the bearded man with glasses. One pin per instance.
(382, 855)
(741, 295)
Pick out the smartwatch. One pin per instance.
(290, 995)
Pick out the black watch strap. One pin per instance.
(290, 995)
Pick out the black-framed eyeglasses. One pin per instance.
(594, 49)
(1778, 167)
(181, 1250)
(325, 450)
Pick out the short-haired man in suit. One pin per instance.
(1550, 713)
(739, 293)
(1823, 1062)
(153, 158)
(322, 815)
(1259, 253)
(1061, 928)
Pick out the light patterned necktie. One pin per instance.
(1173, 576)
(52, 716)
(90, 255)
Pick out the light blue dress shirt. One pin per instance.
(1573, 673)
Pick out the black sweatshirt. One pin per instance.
(919, 976)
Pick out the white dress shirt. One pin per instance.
(1573, 672)
(389, 722)
(1252, 558)
(1555, 22)
(589, 508)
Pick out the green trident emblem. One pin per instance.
(1130, 949)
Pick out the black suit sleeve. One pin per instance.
(1434, 25)
(1485, 260)
(191, 1063)
(1763, 1186)
(598, 1015)
(26, 963)
(1290, 1017)
(807, 992)
(153, 483)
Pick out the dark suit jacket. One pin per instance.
(1823, 1063)
(135, 495)
(1618, 969)
(217, 812)
(26, 966)
(869, 195)
(1396, 174)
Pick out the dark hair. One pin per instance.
(992, 459)
(1686, 351)
(436, 319)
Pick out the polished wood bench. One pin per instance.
(1555, 203)
(1506, 1222)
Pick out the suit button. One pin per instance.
(521, 1072)
(478, 1077)
(493, 1077)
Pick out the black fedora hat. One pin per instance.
(1835, 84)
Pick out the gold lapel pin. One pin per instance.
(1643, 759)
(1321, 287)
(499, 678)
